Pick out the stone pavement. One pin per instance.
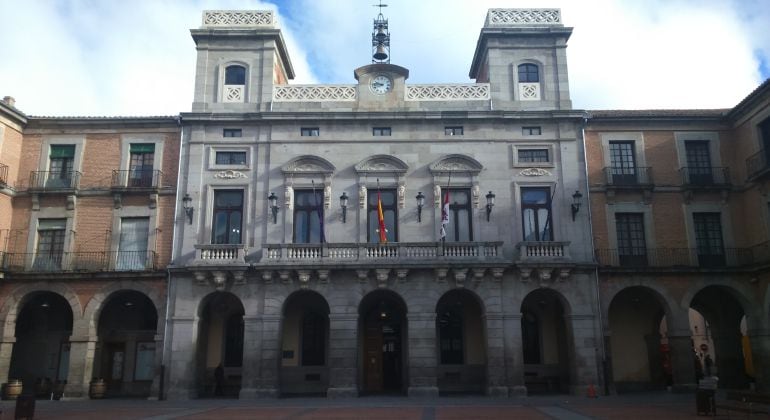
(647, 406)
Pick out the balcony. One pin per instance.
(636, 258)
(694, 177)
(398, 252)
(3, 175)
(80, 261)
(632, 178)
(757, 165)
(54, 181)
(220, 254)
(137, 179)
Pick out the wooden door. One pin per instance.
(373, 357)
(115, 366)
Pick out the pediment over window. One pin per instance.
(308, 165)
(456, 163)
(381, 164)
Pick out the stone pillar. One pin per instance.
(343, 355)
(514, 355)
(270, 357)
(252, 346)
(6, 351)
(682, 360)
(759, 339)
(584, 356)
(81, 367)
(181, 366)
(422, 355)
(496, 378)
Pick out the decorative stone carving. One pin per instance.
(153, 201)
(441, 274)
(476, 194)
(35, 201)
(545, 276)
(238, 18)
(379, 164)
(460, 275)
(267, 277)
(285, 276)
(504, 17)
(401, 195)
(200, 278)
(525, 273)
(288, 195)
(362, 196)
(314, 93)
(401, 273)
(220, 279)
(71, 201)
(529, 91)
(233, 94)
(478, 274)
(363, 275)
(382, 275)
(453, 92)
(117, 200)
(304, 278)
(456, 163)
(437, 196)
(497, 273)
(308, 164)
(564, 274)
(323, 276)
(534, 172)
(327, 196)
(230, 174)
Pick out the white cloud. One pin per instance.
(79, 57)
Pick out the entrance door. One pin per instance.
(115, 364)
(373, 360)
(383, 356)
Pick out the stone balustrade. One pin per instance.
(531, 251)
(217, 254)
(393, 252)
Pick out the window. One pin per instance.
(381, 131)
(235, 75)
(132, 248)
(61, 166)
(764, 134)
(313, 339)
(140, 167)
(531, 131)
(623, 162)
(309, 131)
(708, 239)
(232, 132)
(632, 248)
(450, 332)
(308, 217)
(228, 217)
(50, 244)
(231, 158)
(533, 155)
(389, 213)
(528, 73)
(536, 214)
(453, 131)
(459, 228)
(698, 162)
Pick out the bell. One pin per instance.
(380, 54)
(381, 35)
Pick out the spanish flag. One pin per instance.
(381, 219)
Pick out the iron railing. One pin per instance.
(80, 261)
(682, 257)
(634, 176)
(137, 178)
(707, 176)
(757, 163)
(3, 175)
(56, 180)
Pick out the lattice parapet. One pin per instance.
(314, 93)
(239, 18)
(454, 92)
(509, 17)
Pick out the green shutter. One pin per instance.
(142, 147)
(62, 151)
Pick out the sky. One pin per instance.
(136, 57)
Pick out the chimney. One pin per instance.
(9, 101)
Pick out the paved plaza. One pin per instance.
(654, 406)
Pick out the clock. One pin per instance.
(381, 84)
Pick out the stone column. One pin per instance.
(81, 367)
(181, 366)
(6, 351)
(496, 378)
(759, 339)
(584, 353)
(422, 355)
(514, 355)
(270, 357)
(343, 355)
(252, 346)
(682, 360)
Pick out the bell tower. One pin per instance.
(380, 38)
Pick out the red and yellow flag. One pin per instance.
(381, 219)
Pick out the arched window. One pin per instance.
(235, 75)
(528, 73)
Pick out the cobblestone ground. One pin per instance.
(639, 406)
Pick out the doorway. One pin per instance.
(384, 335)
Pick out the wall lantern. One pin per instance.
(273, 200)
(576, 201)
(490, 203)
(420, 204)
(344, 205)
(188, 208)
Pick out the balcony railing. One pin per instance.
(682, 257)
(531, 251)
(80, 261)
(220, 254)
(637, 176)
(694, 176)
(137, 179)
(3, 175)
(757, 163)
(52, 181)
(394, 252)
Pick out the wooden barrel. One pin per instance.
(13, 389)
(97, 389)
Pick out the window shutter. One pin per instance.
(63, 151)
(142, 148)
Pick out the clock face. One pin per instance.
(381, 84)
